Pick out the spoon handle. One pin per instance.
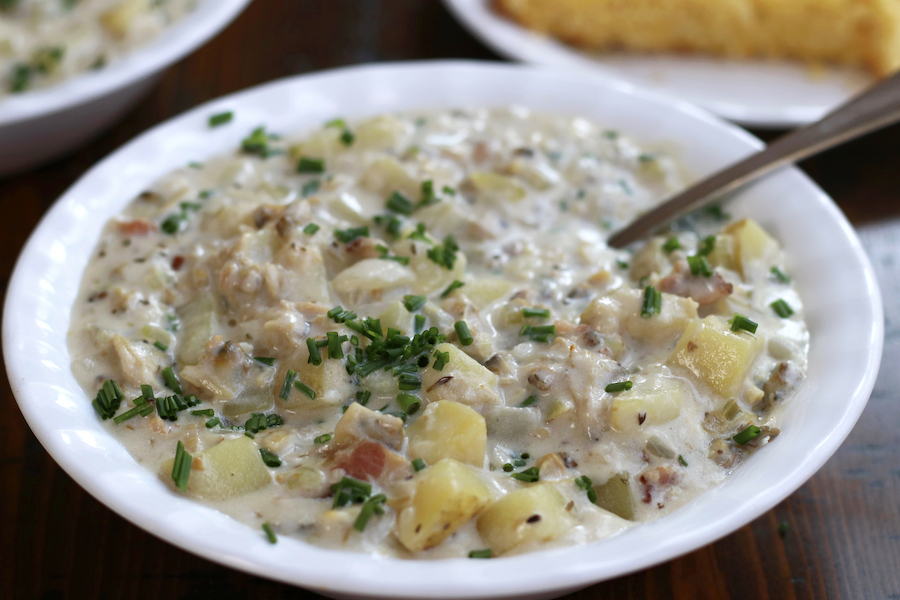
(871, 110)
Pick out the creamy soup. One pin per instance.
(407, 336)
(45, 41)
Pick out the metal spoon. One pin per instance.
(871, 110)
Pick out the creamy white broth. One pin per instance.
(43, 42)
(218, 263)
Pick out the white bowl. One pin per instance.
(40, 125)
(835, 279)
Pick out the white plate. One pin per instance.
(843, 307)
(42, 124)
(762, 94)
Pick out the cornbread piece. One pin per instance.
(864, 33)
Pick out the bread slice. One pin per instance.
(863, 33)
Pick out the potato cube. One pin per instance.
(652, 401)
(534, 514)
(620, 312)
(445, 497)
(371, 274)
(496, 187)
(462, 379)
(715, 354)
(329, 381)
(397, 317)
(448, 429)
(381, 133)
(231, 468)
(751, 243)
(483, 292)
(386, 176)
(118, 19)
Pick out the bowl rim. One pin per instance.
(327, 570)
(172, 44)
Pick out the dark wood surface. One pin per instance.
(843, 526)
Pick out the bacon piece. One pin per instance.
(136, 227)
(656, 479)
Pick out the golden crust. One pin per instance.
(863, 33)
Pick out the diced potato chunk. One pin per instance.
(652, 401)
(530, 515)
(397, 317)
(494, 186)
(430, 276)
(231, 468)
(445, 497)
(448, 430)
(360, 423)
(723, 253)
(716, 355)
(329, 381)
(482, 292)
(615, 496)
(648, 260)
(322, 145)
(381, 133)
(620, 313)
(386, 176)
(751, 243)
(372, 274)
(199, 322)
(462, 379)
(118, 19)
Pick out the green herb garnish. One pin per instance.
(620, 386)
(221, 119)
(181, 467)
(750, 433)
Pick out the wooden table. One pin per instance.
(843, 526)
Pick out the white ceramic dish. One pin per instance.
(833, 274)
(43, 124)
(753, 93)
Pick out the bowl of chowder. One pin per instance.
(318, 324)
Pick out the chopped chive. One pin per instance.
(206, 412)
(508, 468)
(325, 437)
(171, 381)
(147, 392)
(409, 403)
(305, 389)
(249, 435)
(463, 333)
(419, 323)
(315, 357)
(160, 345)
(621, 264)
(699, 266)
(310, 165)
(270, 535)
(212, 423)
(221, 119)
(348, 235)
(486, 553)
(399, 203)
(409, 382)
(181, 467)
(740, 322)
(652, 302)
(349, 490)
(750, 433)
(780, 275)
(440, 360)
(707, 245)
(269, 458)
(265, 360)
(782, 308)
(310, 187)
(371, 507)
(289, 378)
(620, 386)
(448, 190)
(108, 399)
(536, 313)
(682, 461)
(311, 229)
(418, 464)
(362, 397)
(528, 401)
(347, 137)
(452, 287)
(141, 407)
(671, 244)
(584, 482)
(337, 123)
(334, 345)
(414, 303)
(529, 475)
